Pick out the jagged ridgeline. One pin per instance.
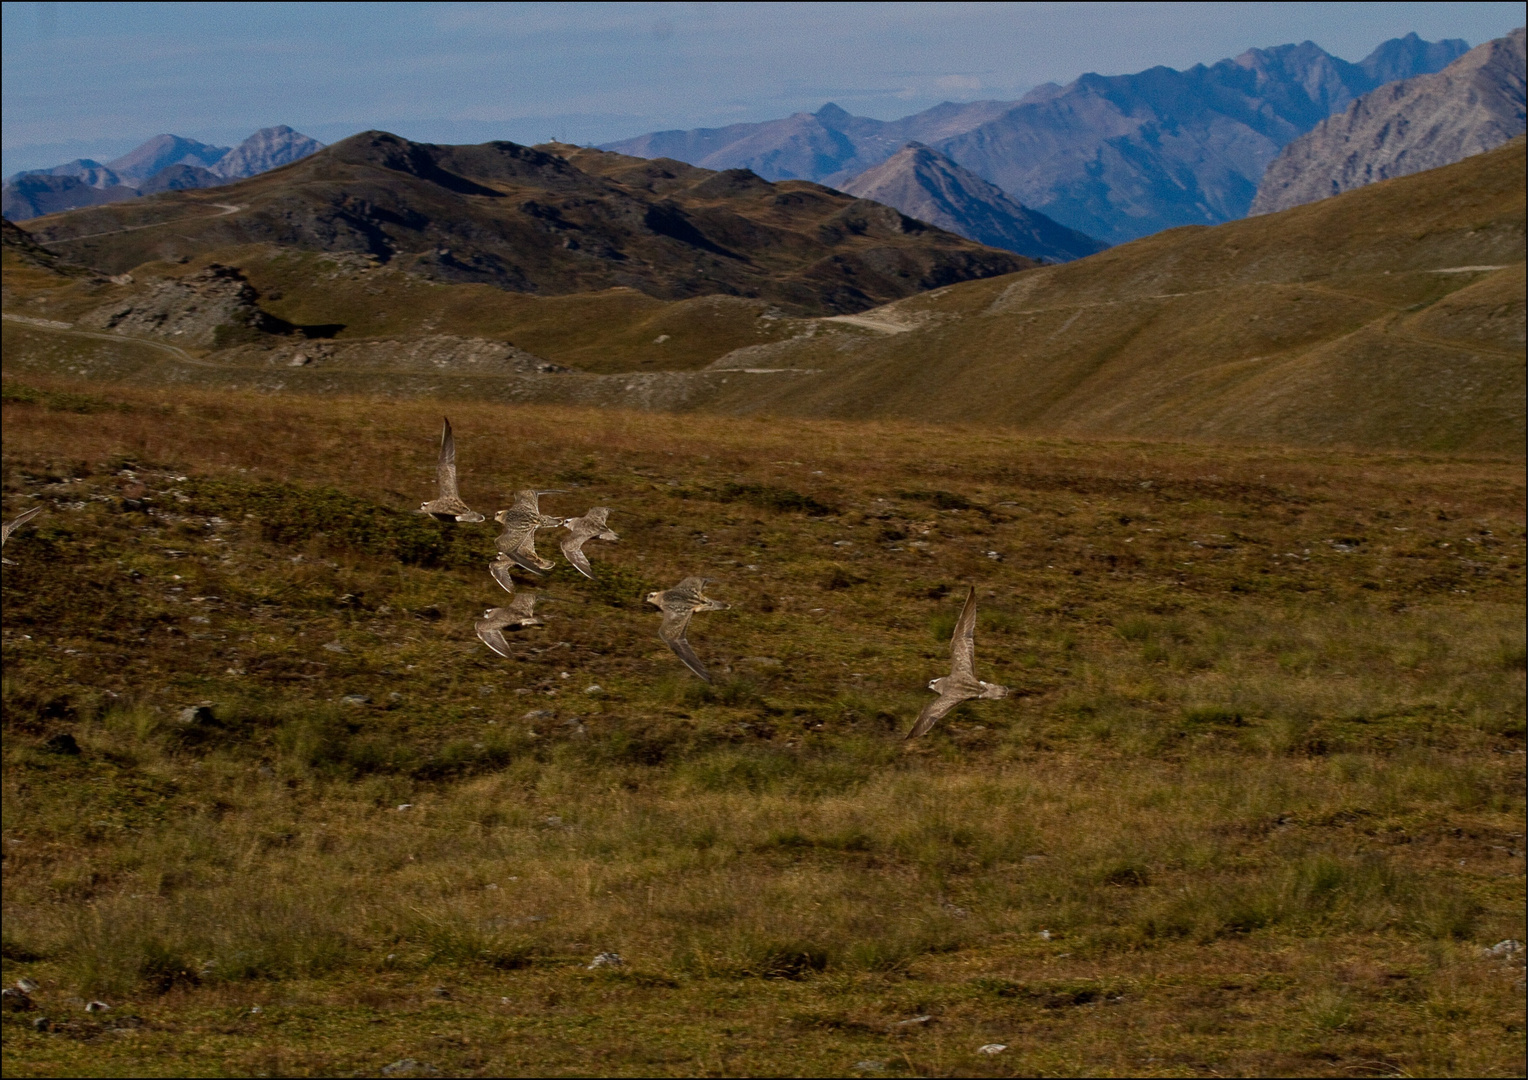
(547, 221)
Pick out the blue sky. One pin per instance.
(95, 80)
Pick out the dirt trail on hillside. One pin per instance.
(54, 327)
(226, 208)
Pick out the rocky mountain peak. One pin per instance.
(269, 148)
(1472, 105)
(160, 152)
(925, 184)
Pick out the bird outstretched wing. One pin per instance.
(493, 637)
(935, 711)
(675, 621)
(445, 465)
(523, 606)
(573, 550)
(963, 640)
(20, 520)
(499, 569)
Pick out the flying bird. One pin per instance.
(961, 684)
(519, 615)
(677, 605)
(448, 506)
(11, 526)
(580, 529)
(517, 543)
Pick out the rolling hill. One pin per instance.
(1390, 316)
(1387, 317)
(548, 221)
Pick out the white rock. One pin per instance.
(97, 1006)
(992, 1048)
(606, 959)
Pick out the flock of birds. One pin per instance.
(517, 550)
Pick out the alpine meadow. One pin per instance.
(305, 773)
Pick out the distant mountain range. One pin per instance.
(1114, 157)
(164, 163)
(549, 220)
(924, 184)
(1475, 104)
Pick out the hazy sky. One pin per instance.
(96, 79)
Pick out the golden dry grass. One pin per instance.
(1260, 785)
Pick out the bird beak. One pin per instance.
(553, 491)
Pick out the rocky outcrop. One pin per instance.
(211, 308)
(924, 184)
(446, 354)
(1473, 105)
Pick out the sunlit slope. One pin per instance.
(1392, 316)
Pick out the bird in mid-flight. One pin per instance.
(961, 684)
(580, 529)
(448, 505)
(520, 614)
(517, 543)
(677, 605)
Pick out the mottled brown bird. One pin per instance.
(517, 543)
(961, 684)
(448, 505)
(590, 526)
(14, 524)
(517, 616)
(677, 605)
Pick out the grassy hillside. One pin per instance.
(1348, 321)
(1388, 317)
(1256, 805)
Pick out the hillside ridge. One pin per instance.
(548, 220)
